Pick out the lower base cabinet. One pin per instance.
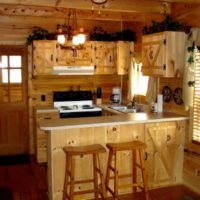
(40, 138)
(164, 153)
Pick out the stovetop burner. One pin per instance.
(87, 107)
(65, 108)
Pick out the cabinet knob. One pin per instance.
(114, 129)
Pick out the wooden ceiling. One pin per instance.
(117, 10)
(18, 17)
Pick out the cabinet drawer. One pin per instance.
(46, 116)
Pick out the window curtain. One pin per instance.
(193, 40)
(151, 90)
(133, 78)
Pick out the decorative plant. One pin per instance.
(40, 34)
(98, 34)
(168, 24)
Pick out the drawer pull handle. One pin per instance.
(145, 156)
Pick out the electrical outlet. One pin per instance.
(43, 97)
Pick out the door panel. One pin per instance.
(13, 100)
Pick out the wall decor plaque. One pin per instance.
(177, 95)
(167, 93)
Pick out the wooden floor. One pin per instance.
(29, 182)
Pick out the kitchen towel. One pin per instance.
(160, 102)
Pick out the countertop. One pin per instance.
(133, 118)
(45, 109)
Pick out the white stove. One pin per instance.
(75, 104)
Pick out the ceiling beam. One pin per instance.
(38, 11)
(182, 11)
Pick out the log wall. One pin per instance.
(15, 28)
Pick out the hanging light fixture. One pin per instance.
(67, 32)
(99, 2)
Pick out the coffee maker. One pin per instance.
(116, 96)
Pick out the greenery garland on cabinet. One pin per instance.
(168, 24)
(98, 34)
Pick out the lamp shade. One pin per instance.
(75, 40)
(81, 38)
(61, 39)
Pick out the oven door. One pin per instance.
(80, 114)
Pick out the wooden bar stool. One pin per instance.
(133, 146)
(71, 152)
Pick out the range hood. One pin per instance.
(73, 70)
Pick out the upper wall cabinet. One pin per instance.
(75, 57)
(163, 54)
(105, 56)
(44, 56)
(124, 54)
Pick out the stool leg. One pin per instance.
(66, 182)
(103, 188)
(116, 175)
(108, 169)
(141, 154)
(134, 175)
(95, 175)
(71, 194)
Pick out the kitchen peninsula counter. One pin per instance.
(163, 133)
(132, 118)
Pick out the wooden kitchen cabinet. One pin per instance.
(165, 151)
(44, 56)
(75, 57)
(124, 53)
(105, 56)
(163, 54)
(48, 53)
(40, 137)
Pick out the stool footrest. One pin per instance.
(121, 176)
(131, 185)
(87, 191)
(82, 181)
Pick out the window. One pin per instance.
(10, 78)
(196, 103)
(11, 69)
